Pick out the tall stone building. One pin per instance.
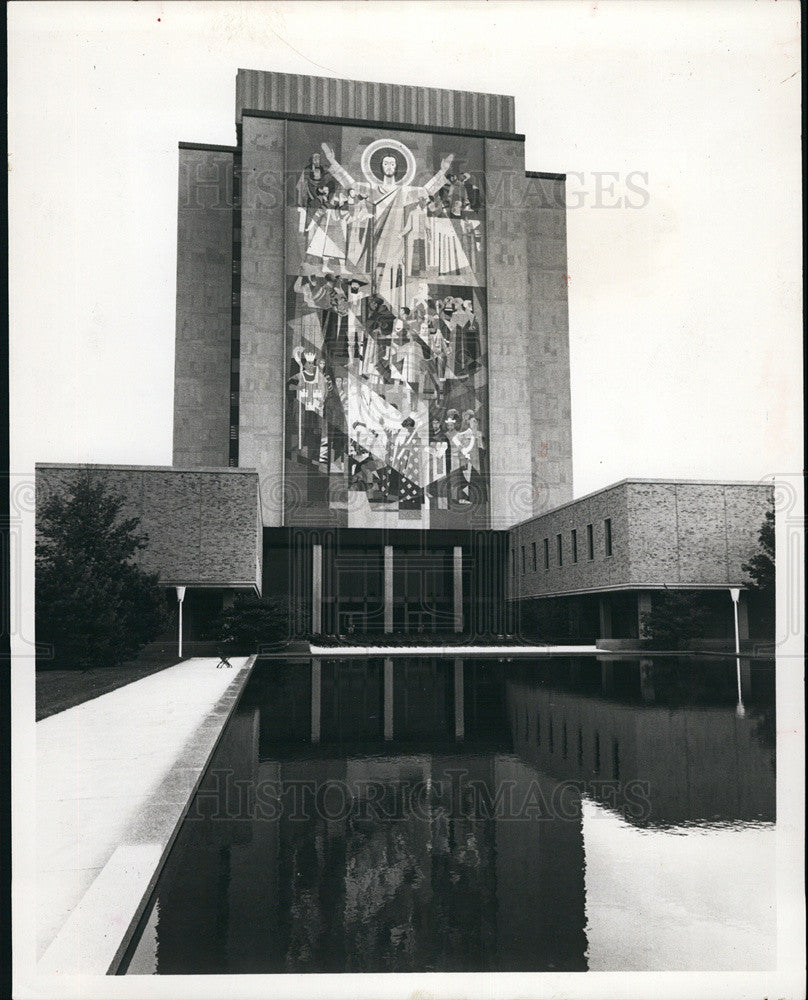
(372, 313)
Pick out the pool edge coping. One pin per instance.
(139, 861)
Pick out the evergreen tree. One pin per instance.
(761, 566)
(94, 605)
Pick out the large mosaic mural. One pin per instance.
(387, 388)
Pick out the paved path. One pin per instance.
(114, 777)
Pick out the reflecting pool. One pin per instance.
(417, 814)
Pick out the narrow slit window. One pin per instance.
(533, 547)
(574, 544)
(560, 547)
(607, 535)
(590, 542)
(546, 553)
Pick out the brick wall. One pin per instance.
(203, 525)
(599, 573)
(664, 534)
(204, 283)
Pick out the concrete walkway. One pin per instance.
(114, 779)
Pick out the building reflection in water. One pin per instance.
(448, 815)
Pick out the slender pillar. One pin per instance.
(735, 593)
(605, 613)
(643, 608)
(388, 588)
(317, 589)
(316, 700)
(460, 705)
(458, 588)
(388, 700)
(180, 599)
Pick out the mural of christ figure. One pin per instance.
(393, 202)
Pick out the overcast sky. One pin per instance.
(685, 314)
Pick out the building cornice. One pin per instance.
(389, 126)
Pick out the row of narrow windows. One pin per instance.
(548, 735)
(559, 550)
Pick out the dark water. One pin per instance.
(479, 815)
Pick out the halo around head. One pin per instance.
(400, 148)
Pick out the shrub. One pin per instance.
(251, 622)
(676, 616)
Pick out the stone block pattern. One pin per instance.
(602, 572)
(388, 102)
(262, 310)
(664, 534)
(509, 387)
(203, 525)
(204, 288)
(548, 355)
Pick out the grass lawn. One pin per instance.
(57, 690)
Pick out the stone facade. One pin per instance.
(665, 533)
(510, 444)
(261, 395)
(204, 525)
(548, 340)
(204, 290)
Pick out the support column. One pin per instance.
(605, 614)
(316, 700)
(317, 589)
(643, 608)
(388, 700)
(388, 588)
(458, 588)
(460, 705)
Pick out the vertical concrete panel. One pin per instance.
(262, 309)
(204, 286)
(548, 343)
(509, 384)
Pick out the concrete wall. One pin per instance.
(509, 386)
(313, 95)
(261, 412)
(204, 287)
(664, 534)
(548, 341)
(203, 525)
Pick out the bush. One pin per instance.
(251, 622)
(94, 605)
(676, 616)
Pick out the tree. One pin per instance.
(94, 605)
(251, 622)
(761, 566)
(676, 616)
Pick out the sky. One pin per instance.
(684, 300)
